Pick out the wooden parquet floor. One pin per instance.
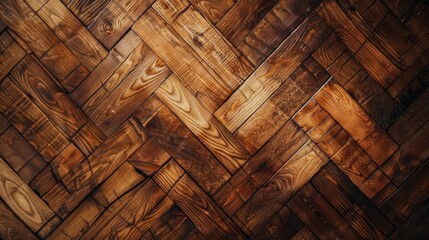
(214, 119)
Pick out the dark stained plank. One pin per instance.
(11, 227)
(10, 55)
(210, 89)
(371, 58)
(30, 121)
(274, 28)
(415, 190)
(412, 227)
(320, 216)
(107, 158)
(272, 73)
(359, 211)
(73, 34)
(183, 146)
(54, 103)
(19, 197)
(242, 18)
(21, 19)
(206, 215)
(275, 193)
(202, 123)
(361, 127)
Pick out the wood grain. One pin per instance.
(199, 120)
(22, 200)
(11, 226)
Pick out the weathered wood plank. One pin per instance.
(29, 207)
(73, 34)
(272, 73)
(213, 10)
(11, 227)
(21, 18)
(365, 131)
(210, 89)
(202, 123)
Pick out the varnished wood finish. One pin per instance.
(214, 119)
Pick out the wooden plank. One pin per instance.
(276, 192)
(206, 41)
(201, 79)
(412, 154)
(76, 37)
(14, 149)
(242, 18)
(206, 215)
(213, 10)
(88, 138)
(134, 89)
(201, 122)
(365, 131)
(11, 225)
(22, 200)
(4, 124)
(274, 28)
(320, 216)
(415, 190)
(32, 168)
(260, 168)
(107, 158)
(9, 57)
(66, 160)
(44, 181)
(106, 68)
(30, 121)
(60, 61)
(412, 227)
(185, 148)
(371, 58)
(51, 100)
(86, 10)
(21, 19)
(278, 109)
(272, 73)
(284, 225)
(75, 78)
(359, 211)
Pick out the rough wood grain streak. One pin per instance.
(86, 10)
(213, 10)
(21, 18)
(320, 216)
(22, 200)
(371, 58)
(205, 214)
(9, 57)
(242, 18)
(106, 68)
(11, 227)
(274, 28)
(275, 193)
(186, 149)
(367, 133)
(46, 95)
(208, 43)
(272, 73)
(133, 90)
(359, 211)
(73, 34)
(204, 82)
(199, 120)
(30, 121)
(107, 158)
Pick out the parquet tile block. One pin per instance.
(214, 119)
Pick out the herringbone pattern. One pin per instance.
(214, 119)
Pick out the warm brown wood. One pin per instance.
(214, 119)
